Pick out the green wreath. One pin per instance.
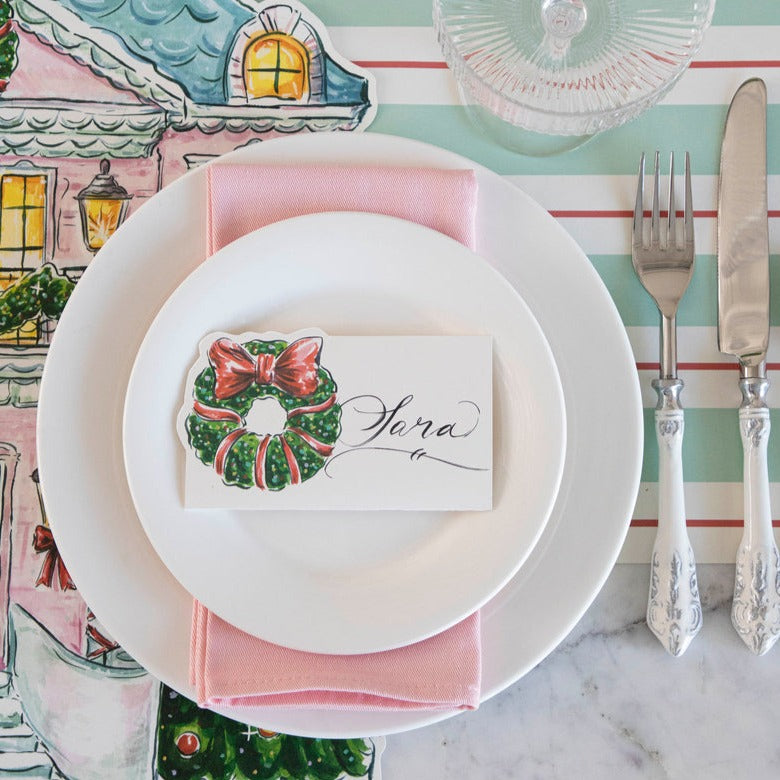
(224, 392)
(43, 291)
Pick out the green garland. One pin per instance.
(205, 435)
(43, 291)
(194, 744)
(9, 43)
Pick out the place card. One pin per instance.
(311, 421)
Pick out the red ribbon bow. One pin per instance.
(43, 541)
(294, 371)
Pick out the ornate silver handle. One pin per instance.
(755, 612)
(673, 606)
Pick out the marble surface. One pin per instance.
(610, 703)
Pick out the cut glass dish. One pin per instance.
(566, 68)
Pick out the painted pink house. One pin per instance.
(154, 87)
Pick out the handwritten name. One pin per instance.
(385, 421)
(388, 419)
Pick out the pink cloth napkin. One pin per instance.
(232, 668)
(243, 198)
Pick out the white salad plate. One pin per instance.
(81, 460)
(347, 581)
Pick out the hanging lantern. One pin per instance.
(103, 206)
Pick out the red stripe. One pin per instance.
(732, 366)
(312, 409)
(652, 523)
(736, 64)
(214, 413)
(439, 65)
(292, 464)
(224, 449)
(422, 64)
(318, 446)
(260, 462)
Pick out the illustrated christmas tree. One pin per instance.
(9, 43)
(196, 744)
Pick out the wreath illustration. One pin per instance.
(224, 392)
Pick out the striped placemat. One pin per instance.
(591, 192)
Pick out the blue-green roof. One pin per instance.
(188, 41)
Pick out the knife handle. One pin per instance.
(673, 606)
(755, 612)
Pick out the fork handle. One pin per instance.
(755, 611)
(673, 606)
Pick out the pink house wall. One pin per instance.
(42, 72)
(62, 612)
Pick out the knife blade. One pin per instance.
(743, 233)
(743, 331)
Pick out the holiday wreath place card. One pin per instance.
(311, 421)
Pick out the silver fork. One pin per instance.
(664, 266)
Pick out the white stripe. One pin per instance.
(386, 43)
(709, 86)
(617, 193)
(612, 236)
(704, 501)
(613, 193)
(702, 390)
(415, 86)
(710, 545)
(437, 87)
(740, 43)
(419, 43)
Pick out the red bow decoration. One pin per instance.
(43, 541)
(294, 371)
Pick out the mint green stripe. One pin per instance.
(699, 305)
(373, 13)
(746, 12)
(698, 129)
(712, 449)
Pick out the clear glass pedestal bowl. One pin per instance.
(544, 76)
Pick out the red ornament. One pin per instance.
(266, 734)
(188, 744)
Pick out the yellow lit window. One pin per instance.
(22, 219)
(276, 65)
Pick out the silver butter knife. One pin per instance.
(743, 331)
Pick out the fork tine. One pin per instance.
(688, 204)
(638, 239)
(655, 215)
(671, 221)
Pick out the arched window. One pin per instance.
(276, 65)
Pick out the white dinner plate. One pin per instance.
(347, 582)
(82, 397)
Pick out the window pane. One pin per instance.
(289, 58)
(290, 86)
(34, 228)
(7, 278)
(8, 260)
(36, 191)
(11, 228)
(12, 191)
